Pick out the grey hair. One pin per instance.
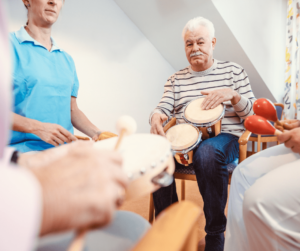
(196, 22)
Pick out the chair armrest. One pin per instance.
(82, 138)
(171, 123)
(243, 140)
(106, 135)
(175, 230)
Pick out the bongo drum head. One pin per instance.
(182, 136)
(195, 114)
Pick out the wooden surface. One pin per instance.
(82, 137)
(106, 135)
(174, 230)
(180, 158)
(182, 136)
(171, 123)
(196, 114)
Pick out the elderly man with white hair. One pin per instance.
(220, 82)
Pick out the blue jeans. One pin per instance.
(210, 164)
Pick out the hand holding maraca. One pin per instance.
(288, 124)
(291, 139)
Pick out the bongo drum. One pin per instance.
(184, 138)
(208, 121)
(147, 161)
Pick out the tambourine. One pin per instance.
(147, 161)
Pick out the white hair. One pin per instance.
(199, 21)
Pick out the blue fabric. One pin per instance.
(190, 169)
(43, 83)
(210, 162)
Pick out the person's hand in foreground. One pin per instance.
(288, 124)
(291, 139)
(81, 186)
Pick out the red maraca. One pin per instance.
(259, 125)
(265, 108)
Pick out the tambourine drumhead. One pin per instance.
(138, 150)
(182, 136)
(145, 156)
(195, 114)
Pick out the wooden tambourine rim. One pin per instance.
(205, 124)
(144, 185)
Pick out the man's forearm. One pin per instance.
(83, 124)
(23, 124)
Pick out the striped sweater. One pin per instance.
(186, 85)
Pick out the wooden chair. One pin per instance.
(102, 136)
(264, 139)
(165, 233)
(188, 173)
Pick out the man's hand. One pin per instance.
(288, 124)
(291, 139)
(53, 134)
(216, 97)
(81, 186)
(157, 121)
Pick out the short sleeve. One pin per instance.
(75, 85)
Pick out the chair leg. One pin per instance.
(264, 145)
(182, 189)
(258, 142)
(253, 147)
(151, 209)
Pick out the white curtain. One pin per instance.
(292, 59)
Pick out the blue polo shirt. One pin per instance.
(43, 83)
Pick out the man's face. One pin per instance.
(45, 12)
(199, 48)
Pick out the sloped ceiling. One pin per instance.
(162, 22)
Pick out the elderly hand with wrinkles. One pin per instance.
(216, 97)
(291, 139)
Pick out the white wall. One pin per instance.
(119, 70)
(259, 27)
(162, 22)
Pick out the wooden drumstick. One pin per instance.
(259, 125)
(265, 108)
(126, 125)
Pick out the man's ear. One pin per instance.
(213, 43)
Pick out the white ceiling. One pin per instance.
(162, 22)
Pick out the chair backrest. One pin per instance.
(279, 109)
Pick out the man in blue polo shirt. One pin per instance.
(45, 85)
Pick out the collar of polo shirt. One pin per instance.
(23, 36)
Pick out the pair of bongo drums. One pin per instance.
(200, 124)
